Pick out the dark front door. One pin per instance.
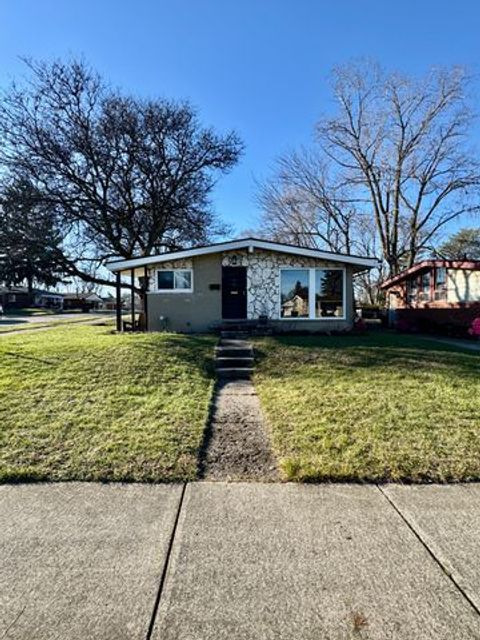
(234, 293)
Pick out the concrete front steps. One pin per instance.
(242, 328)
(234, 358)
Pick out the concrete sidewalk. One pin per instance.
(239, 561)
(82, 560)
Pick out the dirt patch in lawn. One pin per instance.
(236, 445)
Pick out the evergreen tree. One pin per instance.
(30, 238)
(463, 245)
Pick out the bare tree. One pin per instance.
(304, 204)
(127, 176)
(394, 157)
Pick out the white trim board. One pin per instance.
(248, 243)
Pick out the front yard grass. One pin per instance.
(82, 403)
(379, 407)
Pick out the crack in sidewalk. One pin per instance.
(166, 565)
(430, 552)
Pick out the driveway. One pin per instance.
(240, 561)
(14, 325)
(45, 319)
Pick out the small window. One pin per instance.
(426, 282)
(412, 290)
(440, 283)
(174, 280)
(440, 277)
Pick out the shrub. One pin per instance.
(404, 326)
(359, 325)
(475, 328)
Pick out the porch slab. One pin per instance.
(82, 561)
(276, 562)
(447, 519)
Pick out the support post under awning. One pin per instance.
(145, 297)
(132, 288)
(118, 304)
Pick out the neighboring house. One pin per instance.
(83, 301)
(127, 301)
(48, 300)
(15, 297)
(434, 294)
(22, 298)
(109, 303)
(195, 290)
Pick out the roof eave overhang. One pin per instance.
(428, 264)
(134, 263)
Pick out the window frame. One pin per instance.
(424, 293)
(426, 275)
(440, 289)
(412, 290)
(311, 295)
(444, 283)
(173, 289)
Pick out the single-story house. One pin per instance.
(84, 301)
(435, 293)
(198, 289)
(21, 298)
(109, 303)
(15, 297)
(48, 300)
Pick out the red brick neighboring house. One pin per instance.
(435, 295)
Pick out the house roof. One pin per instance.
(429, 264)
(245, 243)
(22, 289)
(81, 296)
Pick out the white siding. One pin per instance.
(463, 285)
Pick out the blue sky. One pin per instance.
(258, 66)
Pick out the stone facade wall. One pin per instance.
(263, 277)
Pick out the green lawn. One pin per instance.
(84, 403)
(379, 407)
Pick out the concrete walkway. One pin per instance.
(239, 561)
(456, 342)
(236, 445)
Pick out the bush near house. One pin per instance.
(474, 330)
(376, 407)
(83, 403)
(453, 321)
